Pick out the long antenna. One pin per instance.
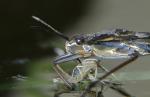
(49, 26)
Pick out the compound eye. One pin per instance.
(79, 41)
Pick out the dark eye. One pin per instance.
(79, 41)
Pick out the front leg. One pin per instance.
(61, 73)
(92, 84)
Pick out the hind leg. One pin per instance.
(92, 84)
(121, 90)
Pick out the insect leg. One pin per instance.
(106, 70)
(85, 70)
(62, 74)
(92, 84)
(100, 93)
(121, 90)
(65, 58)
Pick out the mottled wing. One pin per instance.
(116, 35)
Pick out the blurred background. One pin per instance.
(26, 52)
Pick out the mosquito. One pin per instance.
(88, 50)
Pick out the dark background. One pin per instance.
(19, 40)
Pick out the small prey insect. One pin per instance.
(88, 50)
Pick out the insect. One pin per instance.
(88, 50)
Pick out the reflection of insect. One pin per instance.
(89, 49)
